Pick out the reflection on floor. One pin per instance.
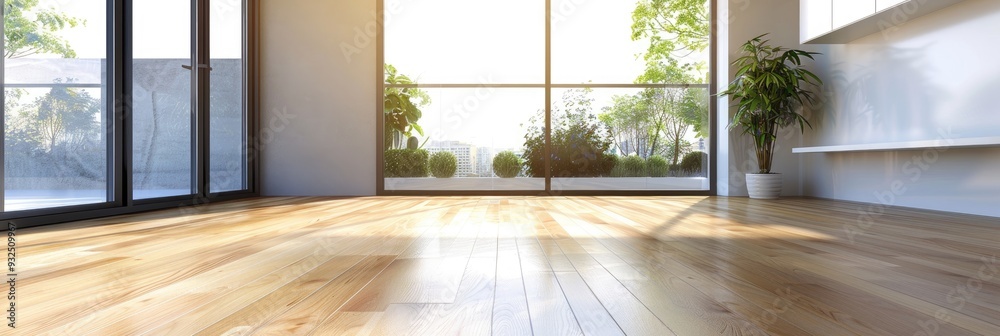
(515, 266)
(18, 200)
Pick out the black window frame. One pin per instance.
(119, 33)
(548, 86)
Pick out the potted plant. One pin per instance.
(768, 90)
(401, 108)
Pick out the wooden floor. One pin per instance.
(514, 266)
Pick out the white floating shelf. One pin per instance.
(888, 18)
(904, 145)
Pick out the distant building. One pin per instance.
(464, 153)
(484, 165)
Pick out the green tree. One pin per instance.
(66, 117)
(655, 121)
(20, 134)
(630, 125)
(676, 29)
(57, 134)
(29, 30)
(665, 105)
(694, 110)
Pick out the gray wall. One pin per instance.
(318, 105)
(933, 77)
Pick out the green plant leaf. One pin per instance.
(767, 90)
(417, 128)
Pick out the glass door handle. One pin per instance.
(201, 66)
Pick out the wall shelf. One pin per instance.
(903, 145)
(904, 12)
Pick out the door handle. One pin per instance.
(201, 66)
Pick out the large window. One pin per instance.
(556, 96)
(112, 104)
(56, 119)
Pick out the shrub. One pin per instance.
(406, 163)
(506, 164)
(580, 142)
(608, 162)
(692, 163)
(657, 166)
(630, 166)
(443, 164)
(675, 170)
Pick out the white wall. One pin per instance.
(929, 76)
(919, 79)
(318, 104)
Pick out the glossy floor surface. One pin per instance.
(514, 266)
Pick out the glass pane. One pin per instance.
(483, 129)
(161, 99)
(227, 113)
(610, 42)
(462, 41)
(56, 121)
(630, 139)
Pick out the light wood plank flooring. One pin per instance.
(514, 266)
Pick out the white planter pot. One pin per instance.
(764, 186)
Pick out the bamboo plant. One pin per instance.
(768, 90)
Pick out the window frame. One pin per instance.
(119, 21)
(548, 86)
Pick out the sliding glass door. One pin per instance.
(115, 104)
(188, 75)
(227, 122)
(163, 117)
(57, 128)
